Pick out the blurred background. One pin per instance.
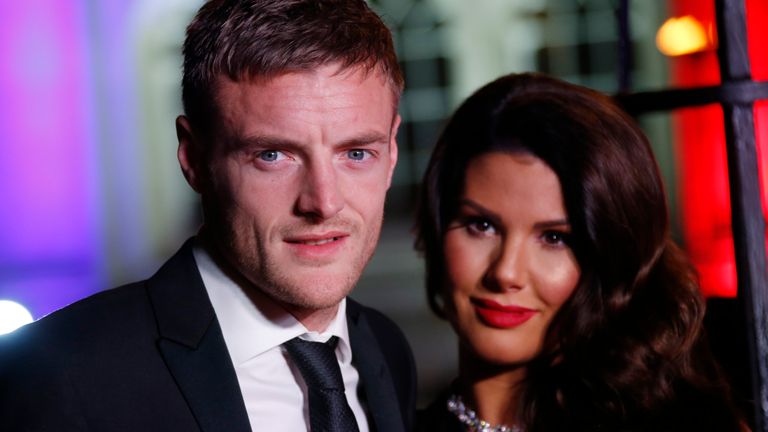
(92, 196)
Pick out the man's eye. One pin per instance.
(270, 155)
(357, 154)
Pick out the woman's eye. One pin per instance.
(480, 226)
(270, 155)
(555, 238)
(357, 154)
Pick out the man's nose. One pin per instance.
(320, 197)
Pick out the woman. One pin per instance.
(545, 230)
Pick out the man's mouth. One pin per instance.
(315, 239)
(315, 242)
(320, 247)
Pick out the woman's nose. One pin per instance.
(509, 269)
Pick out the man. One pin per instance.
(289, 138)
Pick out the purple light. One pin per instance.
(49, 227)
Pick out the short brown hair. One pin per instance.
(248, 39)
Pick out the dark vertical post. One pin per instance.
(747, 216)
(624, 46)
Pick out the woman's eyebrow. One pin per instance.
(555, 223)
(484, 212)
(494, 217)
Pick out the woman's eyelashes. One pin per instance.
(479, 226)
(556, 238)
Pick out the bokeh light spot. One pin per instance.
(13, 316)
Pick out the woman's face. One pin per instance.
(508, 260)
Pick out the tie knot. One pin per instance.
(317, 362)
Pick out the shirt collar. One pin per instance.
(253, 323)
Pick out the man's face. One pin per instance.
(298, 175)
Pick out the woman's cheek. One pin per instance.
(557, 274)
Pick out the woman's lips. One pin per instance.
(501, 316)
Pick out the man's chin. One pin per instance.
(312, 288)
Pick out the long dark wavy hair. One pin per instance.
(626, 351)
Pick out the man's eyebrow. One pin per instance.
(365, 139)
(267, 141)
(262, 141)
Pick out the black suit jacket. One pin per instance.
(150, 356)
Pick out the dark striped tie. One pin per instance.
(328, 407)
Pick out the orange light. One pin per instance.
(683, 35)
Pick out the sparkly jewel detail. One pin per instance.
(469, 418)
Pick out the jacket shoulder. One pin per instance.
(46, 365)
(397, 354)
(102, 315)
(388, 334)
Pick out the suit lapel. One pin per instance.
(369, 361)
(193, 347)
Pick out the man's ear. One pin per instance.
(393, 149)
(190, 154)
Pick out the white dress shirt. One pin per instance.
(254, 329)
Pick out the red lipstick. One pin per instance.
(501, 316)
